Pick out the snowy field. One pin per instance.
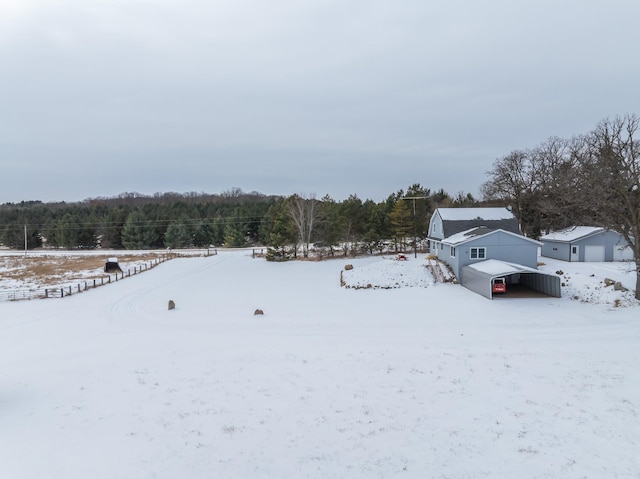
(421, 380)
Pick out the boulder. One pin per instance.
(172, 305)
(618, 287)
(258, 312)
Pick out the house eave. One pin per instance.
(449, 242)
(574, 239)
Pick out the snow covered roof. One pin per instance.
(467, 235)
(572, 233)
(496, 267)
(466, 214)
(474, 233)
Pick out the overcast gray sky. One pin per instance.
(338, 97)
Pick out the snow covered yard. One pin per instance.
(414, 382)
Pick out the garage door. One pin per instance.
(594, 253)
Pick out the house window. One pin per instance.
(453, 252)
(478, 253)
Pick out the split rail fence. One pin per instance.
(95, 282)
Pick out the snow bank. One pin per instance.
(389, 272)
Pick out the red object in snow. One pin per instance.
(401, 257)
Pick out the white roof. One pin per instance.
(464, 236)
(496, 267)
(462, 214)
(573, 233)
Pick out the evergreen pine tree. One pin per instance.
(138, 232)
(401, 220)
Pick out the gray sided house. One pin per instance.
(586, 243)
(481, 245)
(447, 222)
(453, 232)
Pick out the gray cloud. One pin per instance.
(288, 96)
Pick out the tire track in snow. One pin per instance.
(136, 302)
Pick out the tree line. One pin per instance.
(286, 225)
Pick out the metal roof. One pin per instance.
(474, 233)
(572, 233)
(495, 268)
(470, 214)
(478, 277)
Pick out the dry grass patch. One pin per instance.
(47, 270)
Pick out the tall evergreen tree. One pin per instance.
(179, 233)
(351, 223)
(401, 220)
(327, 230)
(203, 236)
(138, 232)
(281, 233)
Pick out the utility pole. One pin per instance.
(415, 233)
(25, 241)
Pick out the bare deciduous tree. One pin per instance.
(303, 211)
(612, 174)
(560, 184)
(513, 181)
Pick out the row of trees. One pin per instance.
(591, 179)
(354, 226)
(133, 221)
(288, 225)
